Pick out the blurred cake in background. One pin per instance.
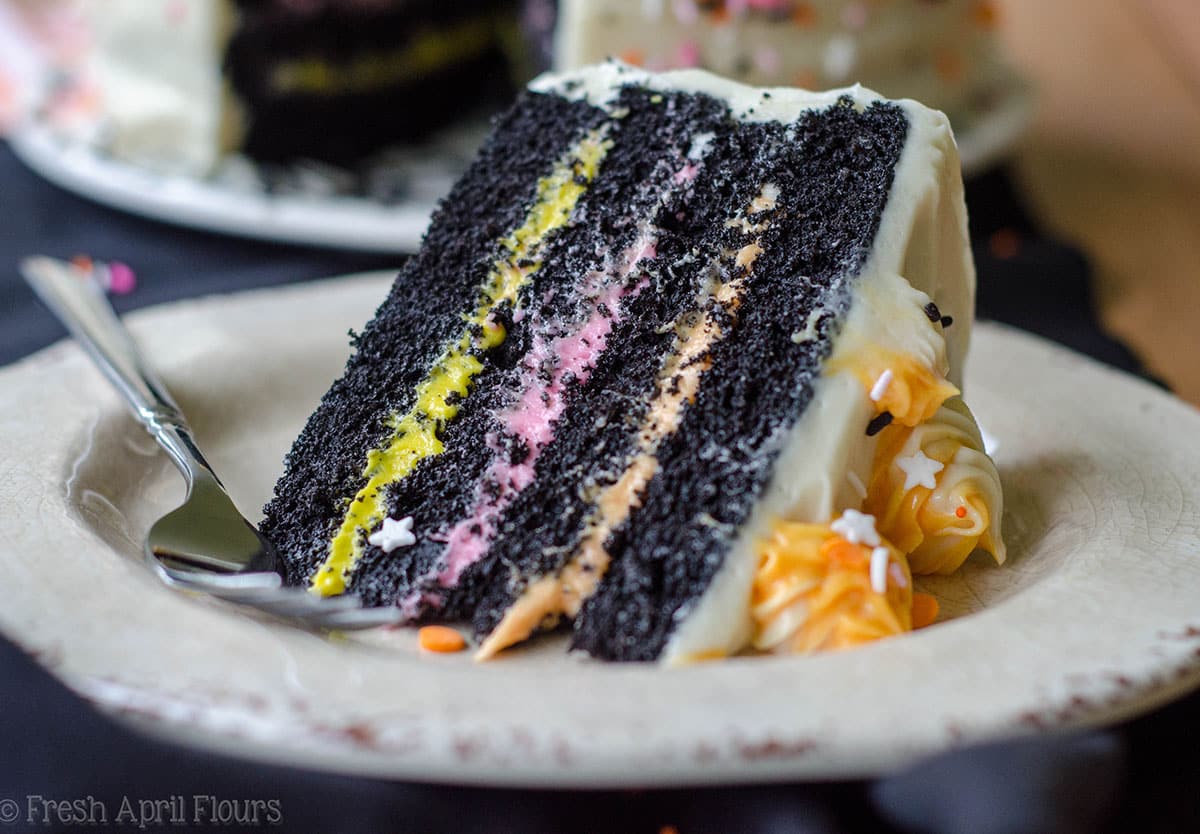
(942, 53)
(181, 83)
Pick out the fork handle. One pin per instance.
(77, 299)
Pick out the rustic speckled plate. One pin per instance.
(1094, 618)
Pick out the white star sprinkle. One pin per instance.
(881, 385)
(856, 528)
(880, 557)
(919, 470)
(394, 533)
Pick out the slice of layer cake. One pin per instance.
(676, 363)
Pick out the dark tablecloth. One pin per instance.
(1139, 776)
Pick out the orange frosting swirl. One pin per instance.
(813, 592)
(916, 389)
(937, 526)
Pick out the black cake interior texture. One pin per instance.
(833, 169)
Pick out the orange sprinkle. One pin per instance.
(441, 639)
(924, 609)
(804, 15)
(82, 262)
(1004, 244)
(986, 15)
(842, 552)
(633, 56)
(950, 65)
(961, 512)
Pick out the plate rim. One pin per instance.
(339, 222)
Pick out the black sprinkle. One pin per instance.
(947, 321)
(931, 310)
(879, 423)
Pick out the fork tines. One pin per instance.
(264, 591)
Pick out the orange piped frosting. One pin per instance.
(912, 390)
(896, 350)
(939, 525)
(813, 591)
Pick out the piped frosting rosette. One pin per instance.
(935, 493)
(930, 497)
(816, 590)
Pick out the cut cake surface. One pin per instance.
(609, 370)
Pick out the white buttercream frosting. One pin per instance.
(158, 67)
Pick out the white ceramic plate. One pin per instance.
(1094, 618)
(240, 207)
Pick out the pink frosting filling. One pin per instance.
(541, 403)
(687, 173)
(540, 400)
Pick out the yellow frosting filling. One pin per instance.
(428, 52)
(414, 434)
(813, 592)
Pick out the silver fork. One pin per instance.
(205, 544)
